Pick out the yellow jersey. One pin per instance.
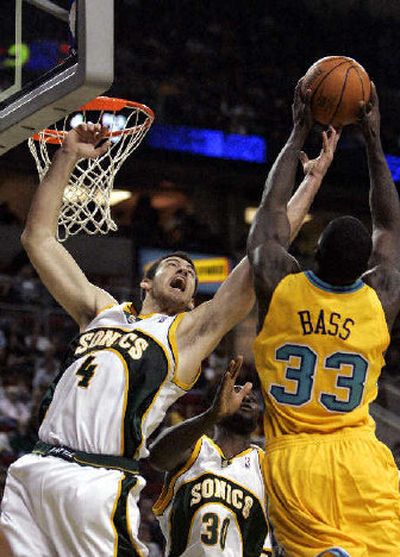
(319, 355)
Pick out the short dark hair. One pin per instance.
(151, 271)
(344, 250)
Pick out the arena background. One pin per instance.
(204, 66)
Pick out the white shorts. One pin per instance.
(55, 508)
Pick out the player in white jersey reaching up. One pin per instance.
(213, 502)
(76, 495)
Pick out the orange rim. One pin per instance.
(99, 104)
(112, 103)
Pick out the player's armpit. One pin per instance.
(202, 329)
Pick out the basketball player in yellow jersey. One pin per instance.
(319, 353)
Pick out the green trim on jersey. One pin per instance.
(251, 520)
(48, 395)
(125, 547)
(145, 378)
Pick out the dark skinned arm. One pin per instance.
(281, 179)
(183, 436)
(383, 198)
(270, 234)
(384, 264)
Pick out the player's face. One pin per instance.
(175, 281)
(249, 406)
(245, 420)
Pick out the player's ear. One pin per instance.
(145, 284)
(191, 304)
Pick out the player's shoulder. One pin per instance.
(384, 279)
(270, 271)
(114, 314)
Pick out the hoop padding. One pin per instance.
(86, 201)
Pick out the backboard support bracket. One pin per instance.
(90, 76)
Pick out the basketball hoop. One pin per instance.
(86, 201)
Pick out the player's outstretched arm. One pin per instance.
(271, 232)
(57, 269)
(384, 199)
(202, 329)
(281, 179)
(384, 263)
(183, 436)
(314, 172)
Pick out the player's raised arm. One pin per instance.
(314, 172)
(202, 329)
(384, 263)
(271, 231)
(184, 435)
(281, 179)
(384, 199)
(57, 269)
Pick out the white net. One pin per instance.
(86, 202)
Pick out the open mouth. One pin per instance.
(179, 283)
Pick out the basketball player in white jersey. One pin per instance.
(76, 495)
(213, 503)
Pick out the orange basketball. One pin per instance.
(337, 84)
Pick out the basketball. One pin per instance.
(337, 84)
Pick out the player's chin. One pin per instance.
(179, 298)
(241, 422)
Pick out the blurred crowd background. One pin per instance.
(215, 65)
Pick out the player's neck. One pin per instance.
(329, 279)
(151, 306)
(231, 443)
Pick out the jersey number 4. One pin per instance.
(304, 374)
(86, 371)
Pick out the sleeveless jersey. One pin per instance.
(215, 507)
(319, 355)
(116, 384)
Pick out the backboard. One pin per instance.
(55, 55)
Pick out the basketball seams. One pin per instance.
(324, 77)
(357, 69)
(346, 77)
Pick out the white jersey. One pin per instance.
(116, 384)
(214, 507)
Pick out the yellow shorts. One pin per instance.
(330, 490)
